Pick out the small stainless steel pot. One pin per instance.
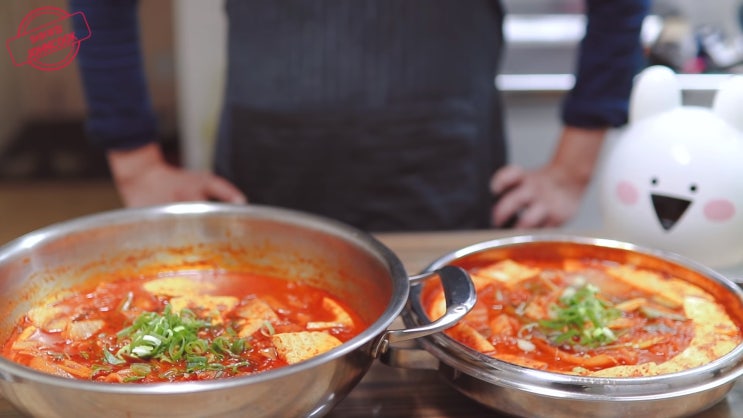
(302, 247)
(521, 391)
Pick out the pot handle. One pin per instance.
(460, 296)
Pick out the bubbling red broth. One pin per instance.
(187, 326)
(588, 317)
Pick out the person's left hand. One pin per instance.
(551, 195)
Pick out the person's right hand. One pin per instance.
(551, 195)
(144, 178)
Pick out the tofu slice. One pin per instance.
(470, 337)
(255, 313)
(506, 271)
(214, 306)
(22, 345)
(438, 307)
(50, 318)
(669, 292)
(84, 329)
(177, 286)
(294, 347)
(341, 318)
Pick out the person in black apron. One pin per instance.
(379, 113)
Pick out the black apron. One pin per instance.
(381, 114)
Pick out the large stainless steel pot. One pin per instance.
(521, 391)
(291, 244)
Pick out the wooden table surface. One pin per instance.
(401, 393)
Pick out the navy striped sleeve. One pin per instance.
(120, 114)
(610, 56)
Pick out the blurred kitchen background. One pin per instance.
(49, 173)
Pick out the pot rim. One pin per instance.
(557, 385)
(400, 289)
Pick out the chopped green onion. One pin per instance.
(172, 337)
(100, 368)
(141, 369)
(581, 318)
(127, 302)
(112, 359)
(267, 329)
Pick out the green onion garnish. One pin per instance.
(581, 318)
(172, 337)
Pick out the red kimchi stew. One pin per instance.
(181, 327)
(592, 318)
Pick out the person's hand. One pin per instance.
(551, 195)
(144, 178)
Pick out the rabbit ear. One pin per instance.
(728, 102)
(656, 90)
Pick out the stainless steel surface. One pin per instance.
(460, 299)
(525, 392)
(280, 242)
